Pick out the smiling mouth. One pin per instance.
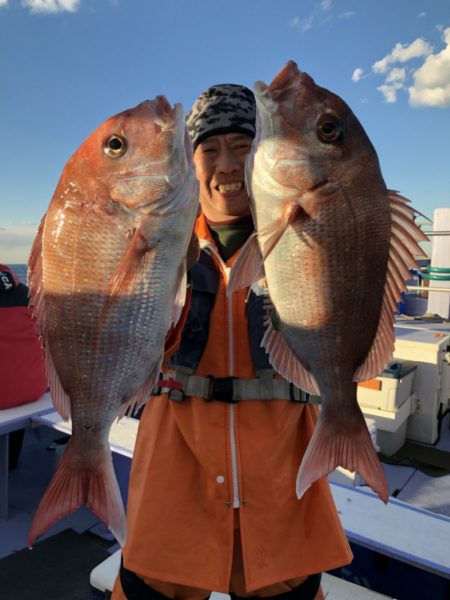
(225, 188)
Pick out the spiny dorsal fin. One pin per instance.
(405, 237)
(60, 399)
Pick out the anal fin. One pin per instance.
(142, 395)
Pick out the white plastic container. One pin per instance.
(391, 389)
(391, 425)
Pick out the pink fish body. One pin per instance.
(107, 282)
(335, 247)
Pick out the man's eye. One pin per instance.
(243, 147)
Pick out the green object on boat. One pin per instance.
(436, 273)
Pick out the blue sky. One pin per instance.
(67, 65)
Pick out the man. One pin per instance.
(212, 502)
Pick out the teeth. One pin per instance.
(230, 187)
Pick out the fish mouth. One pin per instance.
(288, 78)
(163, 114)
(285, 77)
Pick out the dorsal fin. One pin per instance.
(405, 235)
(60, 399)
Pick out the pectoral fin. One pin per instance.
(134, 262)
(249, 266)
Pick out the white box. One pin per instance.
(391, 425)
(426, 347)
(391, 389)
(391, 441)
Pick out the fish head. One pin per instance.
(137, 160)
(307, 136)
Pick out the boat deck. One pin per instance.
(40, 453)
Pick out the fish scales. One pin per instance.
(327, 245)
(107, 279)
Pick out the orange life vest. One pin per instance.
(197, 463)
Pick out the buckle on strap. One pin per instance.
(303, 397)
(173, 387)
(221, 389)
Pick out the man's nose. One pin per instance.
(228, 161)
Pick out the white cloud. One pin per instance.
(394, 82)
(51, 6)
(325, 5)
(302, 24)
(422, 14)
(402, 53)
(357, 74)
(427, 85)
(396, 75)
(3, 3)
(432, 80)
(321, 14)
(389, 92)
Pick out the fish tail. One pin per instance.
(72, 486)
(354, 451)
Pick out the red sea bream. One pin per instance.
(108, 278)
(335, 246)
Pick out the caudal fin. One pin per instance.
(71, 487)
(329, 449)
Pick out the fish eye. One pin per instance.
(115, 146)
(329, 128)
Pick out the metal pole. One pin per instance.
(428, 233)
(423, 290)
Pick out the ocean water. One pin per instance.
(20, 271)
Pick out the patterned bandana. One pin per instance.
(224, 108)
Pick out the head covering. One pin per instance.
(222, 108)
(8, 279)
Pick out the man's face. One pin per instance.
(219, 162)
